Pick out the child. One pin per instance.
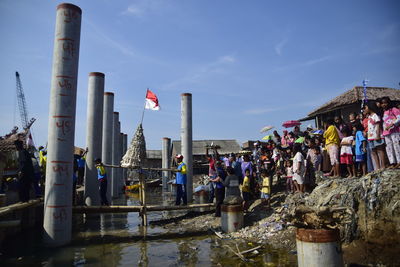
(265, 189)
(289, 177)
(375, 141)
(298, 168)
(246, 193)
(346, 153)
(360, 149)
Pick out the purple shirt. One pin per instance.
(246, 165)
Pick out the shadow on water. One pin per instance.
(119, 240)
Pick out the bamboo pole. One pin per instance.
(144, 220)
(9, 224)
(147, 169)
(18, 206)
(122, 209)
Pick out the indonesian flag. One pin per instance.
(151, 101)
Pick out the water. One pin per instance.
(118, 240)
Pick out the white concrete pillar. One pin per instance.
(108, 128)
(115, 156)
(94, 133)
(125, 148)
(61, 132)
(187, 141)
(166, 162)
(121, 154)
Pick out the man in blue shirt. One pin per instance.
(102, 177)
(180, 181)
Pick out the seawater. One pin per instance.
(119, 240)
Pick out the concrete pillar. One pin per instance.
(166, 162)
(108, 126)
(121, 154)
(61, 132)
(187, 141)
(94, 133)
(319, 247)
(125, 148)
(115, 155)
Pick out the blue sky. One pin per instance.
(247, 63)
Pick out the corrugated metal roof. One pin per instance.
(199, 146)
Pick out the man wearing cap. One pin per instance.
(180, 181)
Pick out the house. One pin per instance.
(348, 102)
(153, 159)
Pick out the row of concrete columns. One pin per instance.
(104, 139)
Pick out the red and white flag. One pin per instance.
(151, 101)
(29, 139)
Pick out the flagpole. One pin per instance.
(144, 106)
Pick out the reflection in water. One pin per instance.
(187, 253)
(105, 240)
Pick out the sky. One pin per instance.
(248, 64)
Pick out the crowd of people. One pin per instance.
(369, 141)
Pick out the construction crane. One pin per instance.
(22, 104)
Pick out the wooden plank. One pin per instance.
(121, 209)
(18, 206)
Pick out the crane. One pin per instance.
(22, 104)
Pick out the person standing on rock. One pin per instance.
(180, 181)
(332, 142)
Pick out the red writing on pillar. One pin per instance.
(64, 84)
(64, 126)
(69, 15)
(60, 215)
(68, 47)
(61, 169)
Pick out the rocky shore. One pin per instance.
(366, 210)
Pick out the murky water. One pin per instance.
(118, 240)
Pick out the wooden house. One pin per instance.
(348, 102)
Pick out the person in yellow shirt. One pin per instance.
(265, 189)
(332, 142)
(246, 192)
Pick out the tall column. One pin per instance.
(115, 156)
(108, 126)
(94, 133)
(166, 162)
(58, 194)
(121, 154)
(125, 148)
(187, 141)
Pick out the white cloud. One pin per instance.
(227, 59)
(258, 111)
(126, 50)
(307, 63)
(216, 67)
(134, 10)
(279, 46)
(140, 8)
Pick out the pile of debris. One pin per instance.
(366, 207)
(135, 156)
